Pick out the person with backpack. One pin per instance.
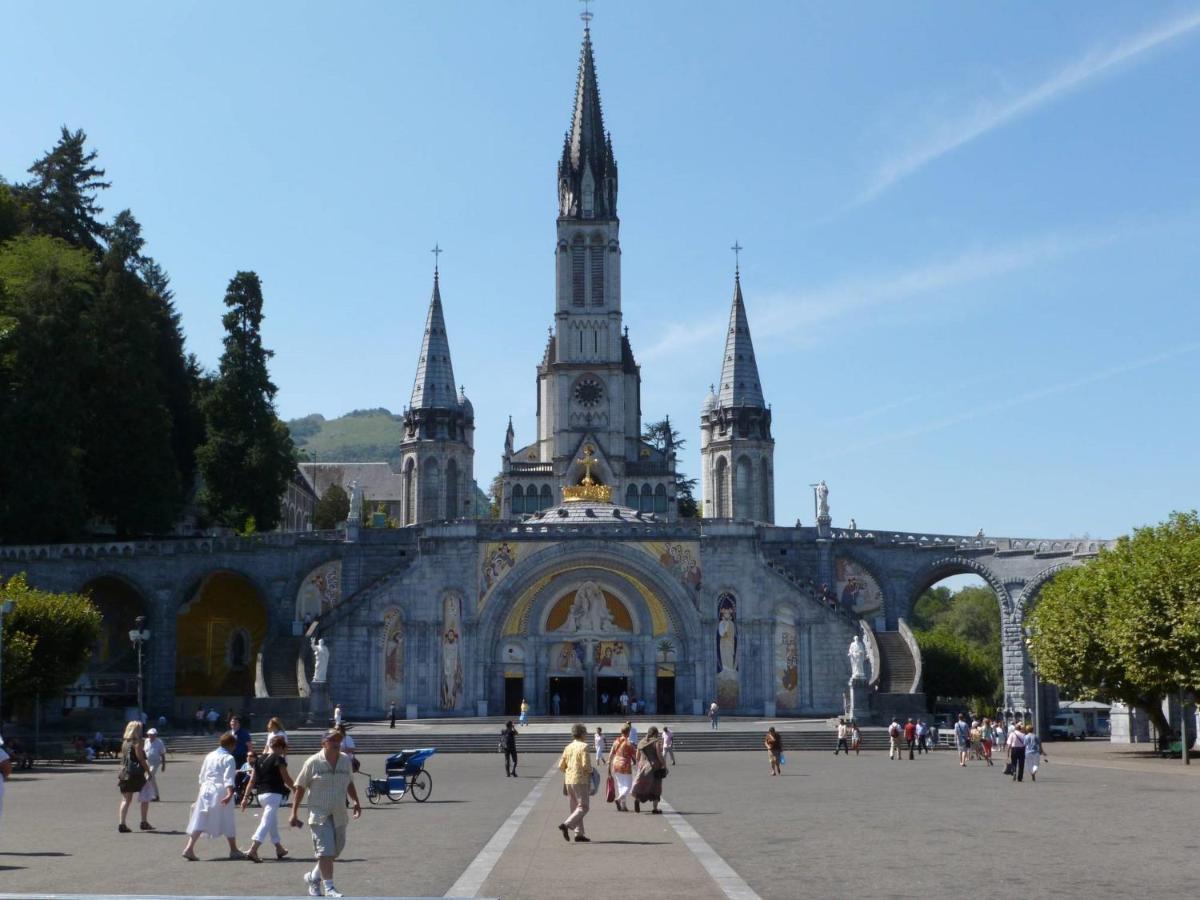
(894, 739)
(962, 738)
(910, 736)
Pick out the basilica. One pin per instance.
(588, 584)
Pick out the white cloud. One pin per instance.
(996, 113)
(977, 412)
(794, 315)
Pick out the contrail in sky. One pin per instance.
(991, 115)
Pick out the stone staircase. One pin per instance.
(279, 665)
(484, 741)
(897, 668)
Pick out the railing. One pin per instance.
(168, 546)
(1076, 546)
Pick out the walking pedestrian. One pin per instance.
(774, 744)
(212, 813)
(647, 786)
(714, 715)
(894, 739)
(577, 783)
(5, 772)
(556, 704)
(668, 743)
(633, 734)
(598, 745)
(910, 736)
(337, 715)
(962, 738)
(987, 736)
(212, 717)
(524, 719)
(855, 737)
(922, 736)
(624, 703)
(198, 720)
(132, 776)
(1033, 753)
(156, 759)
(1016, 752)
(620, 767)
(326, 778)
(508, 743)
(392, 714)
(273, 781)
(244, 742)
(274, 727)
(842, 734)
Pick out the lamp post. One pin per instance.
(6, 607)
(138, 636)
(1037, 700)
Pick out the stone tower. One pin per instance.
(736, 448)
(437, 459)
(589, 384)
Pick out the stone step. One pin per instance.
(685, 742)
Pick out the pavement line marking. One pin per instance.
(471, 881)
(729, 881)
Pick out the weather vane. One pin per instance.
(586, 15)
(737, 249)
(436, 251)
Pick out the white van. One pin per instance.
(1068, 726)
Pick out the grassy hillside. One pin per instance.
(365, 435)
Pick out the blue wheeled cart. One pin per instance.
(405, 775)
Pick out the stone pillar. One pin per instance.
(158, 660)
(860, 704)
(767, 666)
(1018, 678)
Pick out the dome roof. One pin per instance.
(590, 513)
(465, 404)
(710, 403)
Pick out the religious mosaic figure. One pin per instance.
(858, 659)
(393, 654)
(452, 673)
(589, 612)
(320, 660)
(787, 665)
(728, 687)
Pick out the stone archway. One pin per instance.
(111, 676)
(654, 622)
(219, 632)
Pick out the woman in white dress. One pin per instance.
(213, 811)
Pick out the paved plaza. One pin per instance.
(1099, 822)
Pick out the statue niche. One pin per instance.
(590, 611)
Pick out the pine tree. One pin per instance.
(247, 457)
(663, 437)
(44, 360)
(63, 193)
(130, 471)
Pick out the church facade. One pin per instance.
(588, 585)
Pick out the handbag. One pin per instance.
(782, 760)
(610, 790)
(131, 777)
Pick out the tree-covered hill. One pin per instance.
(364, 435)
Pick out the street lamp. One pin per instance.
(1037, 700)
(139, 635)
(5, 608)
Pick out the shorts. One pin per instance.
(328, 838)
(963, 746)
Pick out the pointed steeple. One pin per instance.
(739, 372)
(434, 386)
(587, 172)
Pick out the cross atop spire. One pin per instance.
(586, 15)
(436, 251)
(737, 249)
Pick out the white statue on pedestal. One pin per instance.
(858, 659)
(320, 659)
(823, 499)
(354, 517)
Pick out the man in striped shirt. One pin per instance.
(326, 779)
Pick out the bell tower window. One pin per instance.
(577, 265)
(597, 254)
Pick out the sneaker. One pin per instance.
(314, 886)
(331, 891)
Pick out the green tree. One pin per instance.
(496, 496)
(130, 470)
(247, 456)
(45, 357)
(966, 622)
(63, 192)
(1127, 625)
(332, 509)
(953, 669)
(663, 437)
(47, 640)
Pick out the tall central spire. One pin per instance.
(587, 172)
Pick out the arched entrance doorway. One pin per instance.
(220, 629)
(588, 628)
(111, 676)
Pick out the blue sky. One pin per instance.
(971, 230)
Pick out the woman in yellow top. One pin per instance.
(524, 720)
(577, 783)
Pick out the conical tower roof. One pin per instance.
(434, 386)
(587, 147)
(739, 372)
